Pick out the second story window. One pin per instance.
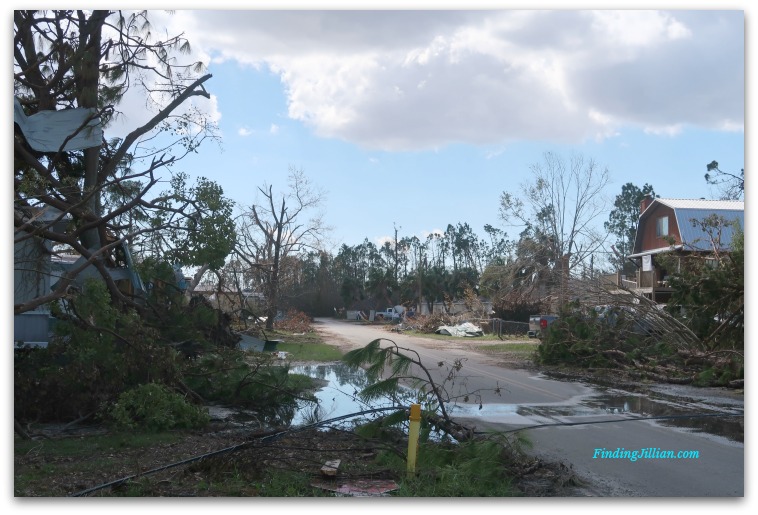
(662, 227)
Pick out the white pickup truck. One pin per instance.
(390, 313)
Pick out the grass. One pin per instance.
(311, 351)
(525, 348)
(471, 470)
(306, 346)
(72, 447)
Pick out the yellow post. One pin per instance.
(413, 431)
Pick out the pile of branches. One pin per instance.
(623, 331)
(294, 321)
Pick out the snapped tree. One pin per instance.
(730, 184)
(277, 228)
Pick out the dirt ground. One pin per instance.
(224, 462)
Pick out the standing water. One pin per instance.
(342, 383)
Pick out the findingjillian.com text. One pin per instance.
(647, 453)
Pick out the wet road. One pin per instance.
(601, 452)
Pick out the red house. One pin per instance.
(675, 225)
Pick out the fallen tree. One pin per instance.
(615, 328)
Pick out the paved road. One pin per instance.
(529, 399)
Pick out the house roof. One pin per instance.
(656, 251)
(709, 205)
(42, 214)
(686, 210)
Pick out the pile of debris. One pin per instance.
(466, 329)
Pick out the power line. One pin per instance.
(233, 448)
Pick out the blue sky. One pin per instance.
(371, 190)
(421, 119)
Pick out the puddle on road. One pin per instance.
(717, 419)
(339, 397)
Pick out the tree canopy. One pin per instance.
(76, 61)
(622, 223)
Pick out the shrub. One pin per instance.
(154, 407)
(88, 364)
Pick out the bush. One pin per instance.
(580, 338)
(154, 407)
(88, 365)
(248, 380)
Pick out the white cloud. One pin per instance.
(638, 28)
(244, 132)
(274, 129)
(491, 154)
(406, 80)
(668, 130)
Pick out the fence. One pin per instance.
(502, 328)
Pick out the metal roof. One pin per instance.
(686, 210)
(702, 204)
(693, 236)
(655, 251)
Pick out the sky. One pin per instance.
(419, 119)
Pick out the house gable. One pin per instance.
(677, 215)
(649, 237)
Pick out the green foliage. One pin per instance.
(392, 426)
(709, 290)
(310, 351)
(580, 338)
(98, 352)
(247, 380)
(101, 352)
(377, 360)
(705, 378)
(622, 223)
(155, 408)
(207, 235)
(622, 339)
(287, 483)
(167, 302)
(570, 340)
(469, 469)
